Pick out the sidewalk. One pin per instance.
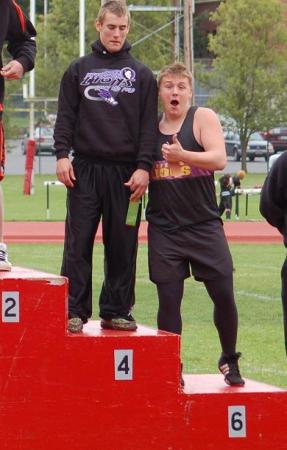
(53, 232)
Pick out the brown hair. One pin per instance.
(177, 69)
(116, 7)
(241, 174)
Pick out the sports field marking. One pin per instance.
(264, 370)
(266, 298)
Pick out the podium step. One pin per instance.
(114, 390)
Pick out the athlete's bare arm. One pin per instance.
(208, 133)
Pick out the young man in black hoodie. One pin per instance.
(16, 29)
(273, 206)
(107, 115)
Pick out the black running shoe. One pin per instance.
(228, 366)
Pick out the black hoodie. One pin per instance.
(17, 30)
(107, 109)
(273, 201)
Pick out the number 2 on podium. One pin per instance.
(10, 307)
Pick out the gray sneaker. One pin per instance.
(124, 323)
(4, 262)
(75, 325)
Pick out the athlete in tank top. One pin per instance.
(171, 181)
(185, 230)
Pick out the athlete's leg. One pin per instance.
(225, 311)
(170, 297)
(120, 241)
(83, 216)
(284, 298)
(169, 316)
(1, 213)
(228, 207)
(226, 322)
(221, 207)
(4, 262)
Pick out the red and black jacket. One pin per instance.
(18, 31)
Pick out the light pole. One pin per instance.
(188, 37)
(32, 78)
(82, 27)
(45, 39)
(177, 30)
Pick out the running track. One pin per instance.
(53, 232)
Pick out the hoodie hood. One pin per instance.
(98, 48)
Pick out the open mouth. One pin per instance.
(174, 102)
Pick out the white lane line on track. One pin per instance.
(266, 298)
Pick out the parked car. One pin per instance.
(44, 141)
(232, 143)
(257, 146)
(277, 137)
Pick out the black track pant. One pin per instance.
(284, 299)
(225, 205)
(99, 192)
(225, 311)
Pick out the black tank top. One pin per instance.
(181, 195)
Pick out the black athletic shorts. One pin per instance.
(203, 247)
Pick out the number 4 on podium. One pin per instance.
(123, 360)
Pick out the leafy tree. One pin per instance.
(151, 35)
(200, 36)
(58, 40)
(249, 71)
(58, 43)
(25, 5)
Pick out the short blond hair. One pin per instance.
(116, 7)
(176, 69)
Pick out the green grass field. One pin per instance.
(257, 289)
(33, 207)
(256, 281)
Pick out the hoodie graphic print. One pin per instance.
(105, 84)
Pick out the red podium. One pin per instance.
(106, 390)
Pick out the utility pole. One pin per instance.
(45, 50)
(188, 37)
(82, 27)
(32, 78)
(176, 28)
(187, 34)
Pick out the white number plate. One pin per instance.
(123, 364)
(236, 421)
(10, 307)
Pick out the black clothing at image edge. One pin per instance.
(17, 30)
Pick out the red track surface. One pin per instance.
(47, 232)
